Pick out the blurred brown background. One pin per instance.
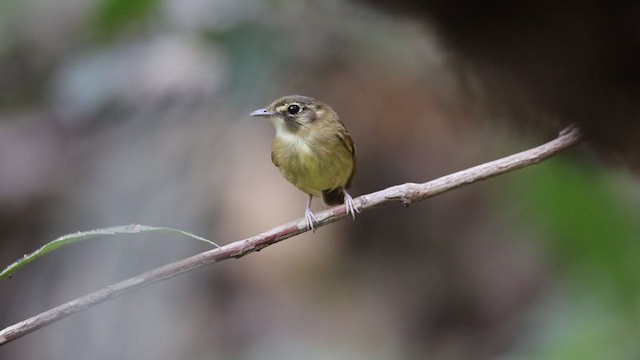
(115, 112)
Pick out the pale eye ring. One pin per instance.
(293, 109)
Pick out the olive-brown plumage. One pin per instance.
(313, 150)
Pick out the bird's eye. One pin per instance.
(293, 109)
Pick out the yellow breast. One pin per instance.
(311, 164)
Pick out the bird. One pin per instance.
(313, 150)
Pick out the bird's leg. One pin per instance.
(308, 215)
(351, 206)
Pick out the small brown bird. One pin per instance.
(313, 150)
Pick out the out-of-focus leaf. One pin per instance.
(255, 54)
(112, 15)
(593, 229)
(83, 235)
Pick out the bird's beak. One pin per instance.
(261, 112)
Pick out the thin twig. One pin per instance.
(405, 193)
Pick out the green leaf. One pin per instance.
(83, 235)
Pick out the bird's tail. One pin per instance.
(333, 197)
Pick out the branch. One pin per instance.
(405, 193)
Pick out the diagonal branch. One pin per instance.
(405, 193)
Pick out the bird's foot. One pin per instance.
(311, 218)
(350, 205)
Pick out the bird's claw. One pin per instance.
(350, 205)
(310, 218)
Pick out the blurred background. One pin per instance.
(115, 112)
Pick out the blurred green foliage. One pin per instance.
(112, 16)
(588, 219)
(254, 54)
(591, 225)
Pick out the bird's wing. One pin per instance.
(345, 139)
